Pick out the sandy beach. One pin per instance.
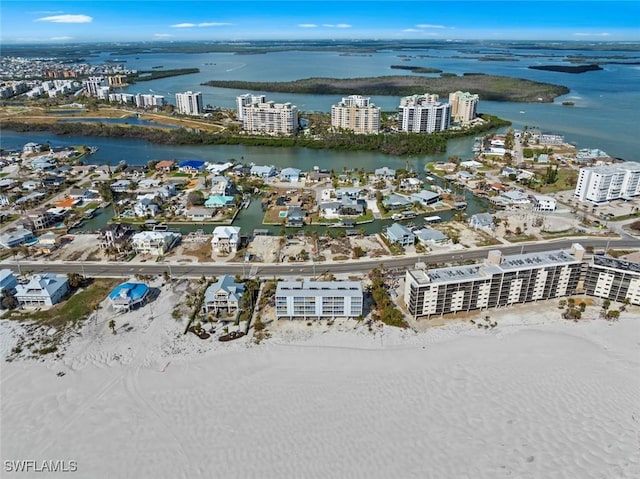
(535, 397)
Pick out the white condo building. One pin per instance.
(608, 182)
(464, 106)
(319, 299)
(247, 99)
(270, 117)
(499, 281)
(189, 103)
(93, 86)
(613, 279)
(356, 113)
(424, 114)
(149, 101)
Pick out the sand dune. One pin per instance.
(556, 399)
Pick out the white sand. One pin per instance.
(547, 399)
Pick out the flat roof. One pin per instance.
(457, 274)
(319, 288)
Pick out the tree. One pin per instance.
(112, 326)
(74, 280)
(8, 301)
(605, 304)
(195, 198)
(614, 314)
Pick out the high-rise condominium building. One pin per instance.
(94, 85)
(248, 99)
(424, 114)
(463, 106)
(356, 113)
(609, 182)
(189, 103)
(498, 281)
(270, 117)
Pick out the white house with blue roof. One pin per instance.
(8, 281)
(400, 234)
(128, 296)
(291, 175)
(263, 171)
(191, 166)
(42, 290)
(224, 294)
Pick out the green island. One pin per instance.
(488, 87)
(389, 143)
(148, 75)
(416, 69)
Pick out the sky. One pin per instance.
(27, 21)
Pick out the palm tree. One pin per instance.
(112, 326)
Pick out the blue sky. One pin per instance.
(148, 20)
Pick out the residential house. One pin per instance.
(165, 166)
(395, 202)
(225, 294)
(48, 242)
(465, 176)
(8, 281)
(220, 185)
(16, 238)
(430, 236)
(516, 197)
(344, 207)
(410, 184)
(295, 216)
(425, 197)
(219, 201)
(198, 213)
(154, 242)
(30, 185)
(53, 181)
(145, 206)
(470, 164)
(115, 235)
(41, 218)
(31, 147)
(543, 158)
(482, 221)
(121, 186)
(226, 239)
(42, 290)
(263, 171)
(148, 183)
(43, 163)
(291, 175)
(217, 168)
(191, 166)
(400, 234)
(128, 296)
(385, 173)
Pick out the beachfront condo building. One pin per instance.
(423, 114)
(189, 103)
(270, 117)
(498, 281)
(149, 101)
(613, 279)
(93, 86)
(464, 106)
(245, 100)
(318, 299)
(599, 184)
(356, 113)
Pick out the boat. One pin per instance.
(93, 149)
(231, 336)
(90, 213)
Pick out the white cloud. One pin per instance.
(162, 35)
(601, 34)
(307, 25)
(200, 25)
(411, 30)
(61, 38)
(429, 25)
(336, 25)
(66, 19)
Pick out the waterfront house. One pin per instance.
(31, 147)
(121, 186)
(410, 184)
(219, 201)
(191, 166)
(425, 197)
(470, 164)
(400, 234)
(198, 213)
(430, 236)
(154, 242)
(165, 166)
(48, 242)
(225, 294)
(217, 168)
(226, 239)
(42, 290)
(395, 202)
(135, 171)
(465, 176)
(8, 281)
(291, 175)
(515, 197)
(384, 173)
(145, 207)
(263, 171)
(115, 235)
(344, 207)
(128, 296)
(295, 216)
(17, 237)
(482, 221)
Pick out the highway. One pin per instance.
(266, 270)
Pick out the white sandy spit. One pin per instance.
(542, 400)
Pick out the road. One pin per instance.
(265, 270)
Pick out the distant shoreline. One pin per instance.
(567, 68)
